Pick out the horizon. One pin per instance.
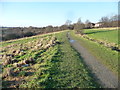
(41, 14)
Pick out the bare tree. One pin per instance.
(49, 29)
(79, 21)
(79, 26)
(87, 24)
(110, 21)
(105, 21)
(68, 22)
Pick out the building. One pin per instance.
(97, 25)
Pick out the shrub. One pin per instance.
(28, 34)
(11, 36)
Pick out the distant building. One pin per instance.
(92, 25)
(97, 24)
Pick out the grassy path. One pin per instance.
(105, 55)
(72, 71)
(105, 76)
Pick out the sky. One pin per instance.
(41, 14)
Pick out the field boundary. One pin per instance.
(32, 36)
(112, 46)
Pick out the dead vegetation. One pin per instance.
(16, 57)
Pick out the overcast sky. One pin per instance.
(53, 13)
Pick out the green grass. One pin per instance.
(103, 34)
(43, 71)
(59, 66)
(73, 71)
(107, 56)
(42, 57)
(22, 40)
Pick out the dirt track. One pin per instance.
(102, 74)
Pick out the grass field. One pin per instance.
(107, 56)
(46, 61)
(103, 34)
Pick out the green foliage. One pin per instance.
(10, 65)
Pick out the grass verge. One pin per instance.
(107, 56)
(73, 72)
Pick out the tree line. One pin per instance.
(20, 32)
(112, 21)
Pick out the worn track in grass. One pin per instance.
(102, 74)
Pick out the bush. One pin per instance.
(11, 36)
(28, 34)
